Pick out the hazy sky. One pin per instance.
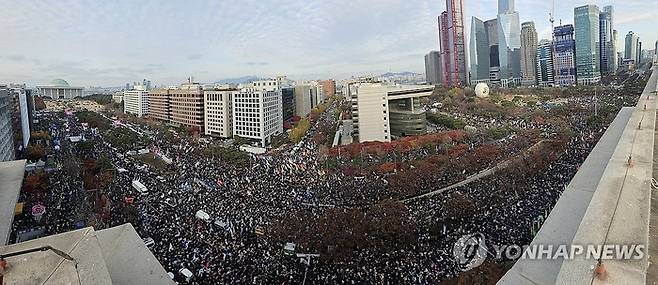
(109, 43)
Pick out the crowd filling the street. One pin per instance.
(355, 214)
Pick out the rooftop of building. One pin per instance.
(608, 202)
(11, 180)
(85, 256)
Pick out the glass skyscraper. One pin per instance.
(479, 51)
(545, 63)
(588, 60)
(607, 39)
(509, 40)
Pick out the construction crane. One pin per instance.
(551, 15)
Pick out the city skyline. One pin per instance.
(109, 44)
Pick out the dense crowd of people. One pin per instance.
(234, 244)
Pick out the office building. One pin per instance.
(452, 40)
(491, 26)
(638, 53)
(6, 130)
(433, 68)
(22, 114)
(218, 112)
(528, 54)
(186, 105)
(59, 89)
(479, 51)
(257, 114)
(381, 112)
(545, 64)
(159, 107)
(288, 103)
(306, 98)
(329, 87)
(509, 40)
(564, 55)
(631, 46)
(608, 53)
(182, 106)
(136, 101)
(117, 97)
(587, 31)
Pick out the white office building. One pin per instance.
(381, 112)
(257, 113)
(136, 101)
(218, 105)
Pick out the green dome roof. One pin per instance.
(59, 82)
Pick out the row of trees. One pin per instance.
(341, 232)
(231, 156)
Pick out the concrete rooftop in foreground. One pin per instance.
(112, 256)
(11, 180)
(607, 202)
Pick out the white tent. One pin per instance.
(202, 215)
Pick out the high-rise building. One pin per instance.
(257, 113)
(6, 132)
(509, 40)
(615, 48)
(181, 105)
(329, 87)
(306, 98)
(588, 60)
(159, 105)
(545, 63)
(452, 40)
(433, 68)
(218, 112)
(22, 108)
(631, 43)
(607, 51)
(638, 54)
(491, 26)
(564, 55)
(479, 51)
(288, 103)
(186, 105)
(528, 54)
(136, 101)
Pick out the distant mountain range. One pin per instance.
(404, 73)
(239, 80)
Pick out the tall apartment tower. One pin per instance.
(588, 46)
(564, 55)
(528, 54)
(433, 68)
(608, 52)
(452, 40)
(545, 69)
(479, 51)
(509, 40)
